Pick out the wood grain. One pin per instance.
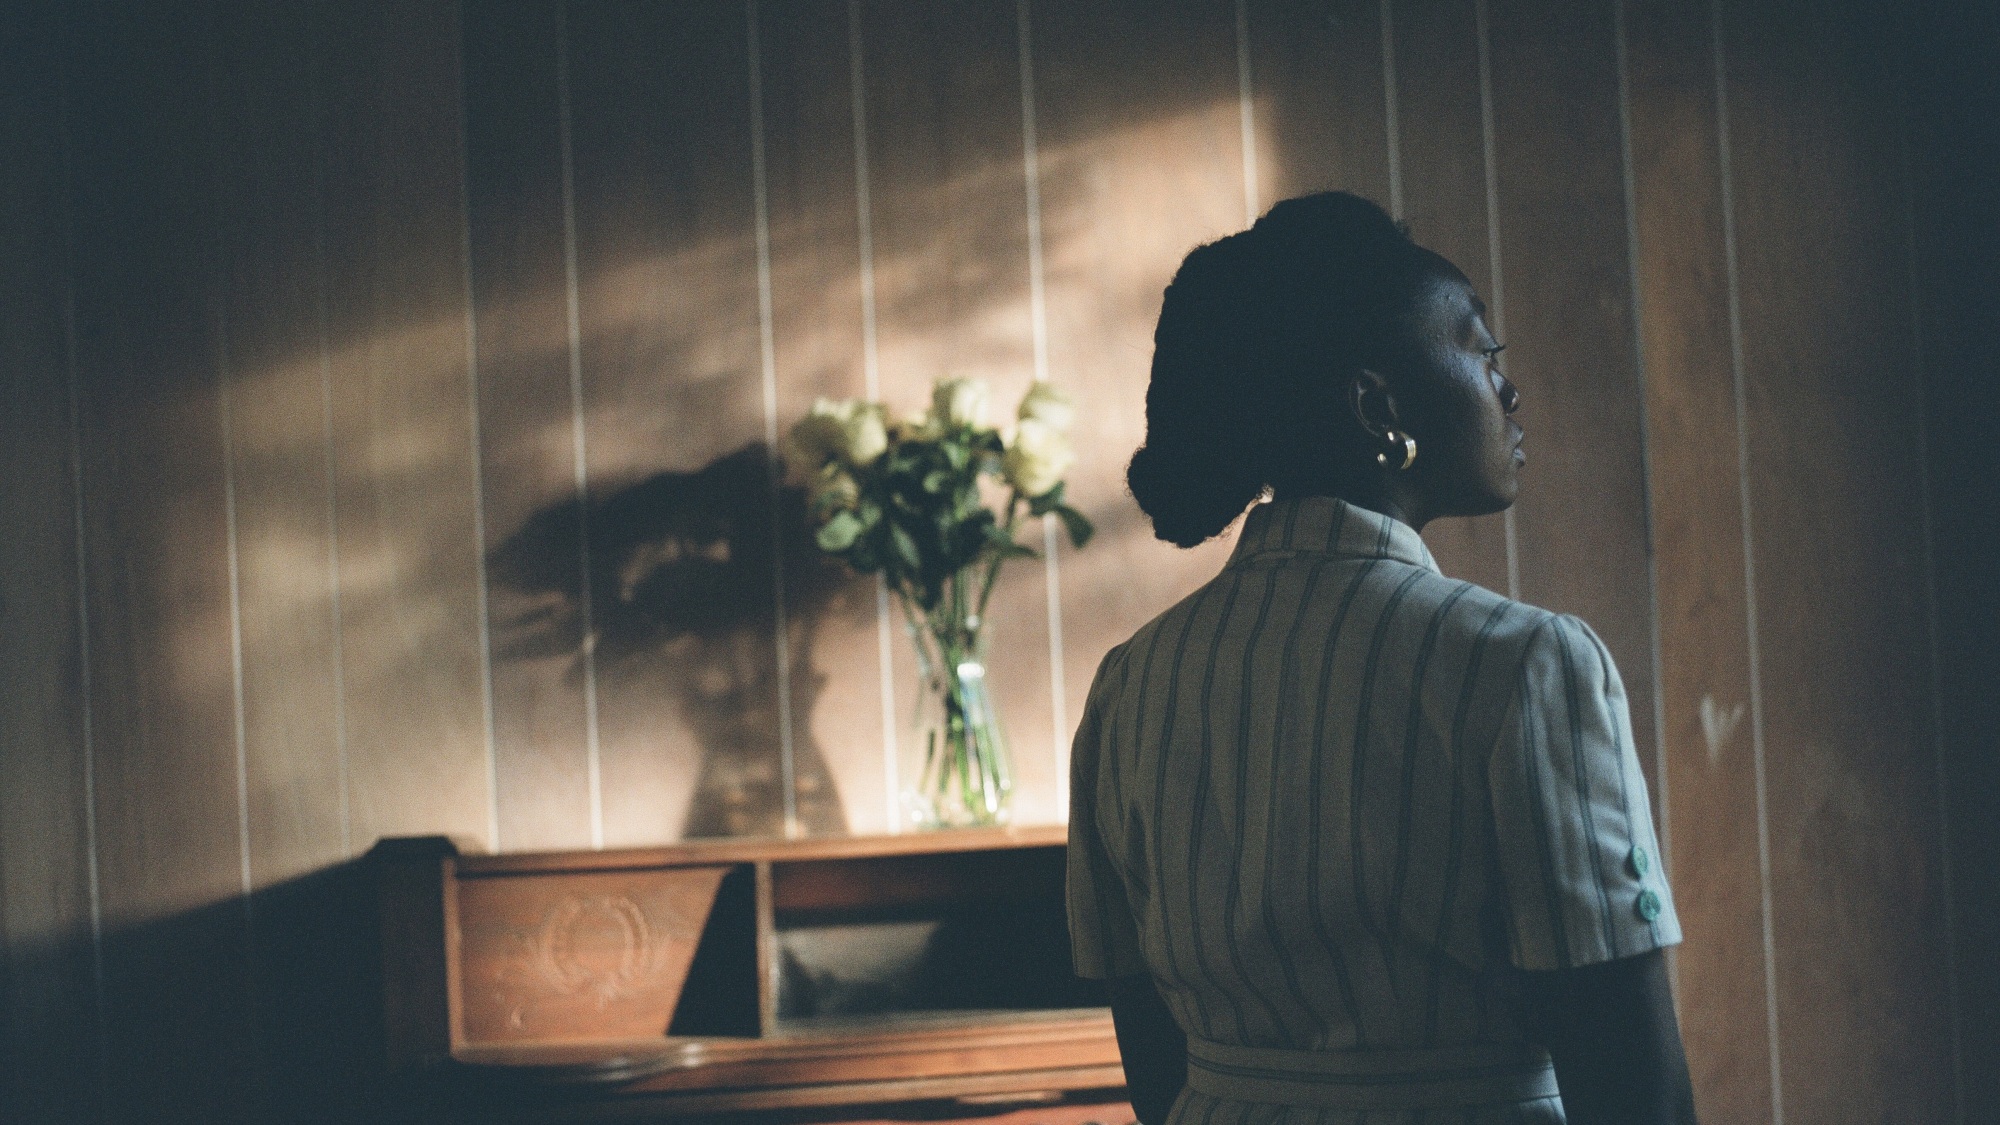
(268, 233)
(406, 480)
(682, 559)
(1691, 431)
(837, 714)
(949, 211)
(562, 973)
(534, 528)
(1582, 516)
(595, 956)
(1835, 465)
(755, 849)
(47, 985)
(236, 168)
(1318, 98)
(149, 345)
(1442, 156)
(1142, 159)
(918, 879)
(1954, 137)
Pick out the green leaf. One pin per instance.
(1074, 522)
(1048, 501)
(1003, 543)
(906, 547)
(839, 533)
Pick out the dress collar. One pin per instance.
(1327, 525)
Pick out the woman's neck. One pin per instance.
(1388, 497)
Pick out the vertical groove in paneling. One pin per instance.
(1560, 185)
(322, 347)
(689, 556)
(1319, 96)
(1391, 116)
(1822, 267)
(1927, 510)
(483, 600)
(788, 778)
(1733, 289)
(579, 441)
(225, 265)
(86, 696)
(1135, 173)
(1496, 278)
(1246, 113)
(1560, 200)
(1663, 808)
(147, 283)
(953, 297)
(227, 426)
(1038, 325)
(839, 730)
(1952, 141)
(1440, 159)
(51, 1010)
(1700, 597)
(766, 338)
(871, 383)
(399, 312)
(533, 484)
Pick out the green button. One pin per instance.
(1648, 905)
(1641, 862)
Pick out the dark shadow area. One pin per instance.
(278, 1022)
(1956, 153)
(683, 569)
(902, 935)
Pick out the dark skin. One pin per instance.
(1610, 1028)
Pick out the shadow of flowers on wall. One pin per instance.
(684, 574)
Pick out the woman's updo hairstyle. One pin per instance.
(1257, 334)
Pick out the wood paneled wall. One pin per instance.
(389, 389)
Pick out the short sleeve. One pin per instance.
(1104, 940)
(1579, 864)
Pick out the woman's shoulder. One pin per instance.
(1513, 633)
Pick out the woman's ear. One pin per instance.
(1372, 403)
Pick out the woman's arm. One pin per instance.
(1611, 1030)
(1151, 1046)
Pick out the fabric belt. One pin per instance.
(1439, 1078)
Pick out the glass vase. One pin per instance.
(956, 772)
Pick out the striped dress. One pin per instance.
(1329, 800)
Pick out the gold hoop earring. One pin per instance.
(1409, 445)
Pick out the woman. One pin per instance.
(1353, 841)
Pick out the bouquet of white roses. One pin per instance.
(909, 499)
(902, 498)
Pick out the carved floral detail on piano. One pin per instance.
(598, 946)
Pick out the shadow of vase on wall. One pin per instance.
(683, 581)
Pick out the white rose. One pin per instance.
(1051, 407)
(833, 489)
(816, 439)
(850, 430)
(1037, 459)
(864, 435)
(959, 402)
(913, 427)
